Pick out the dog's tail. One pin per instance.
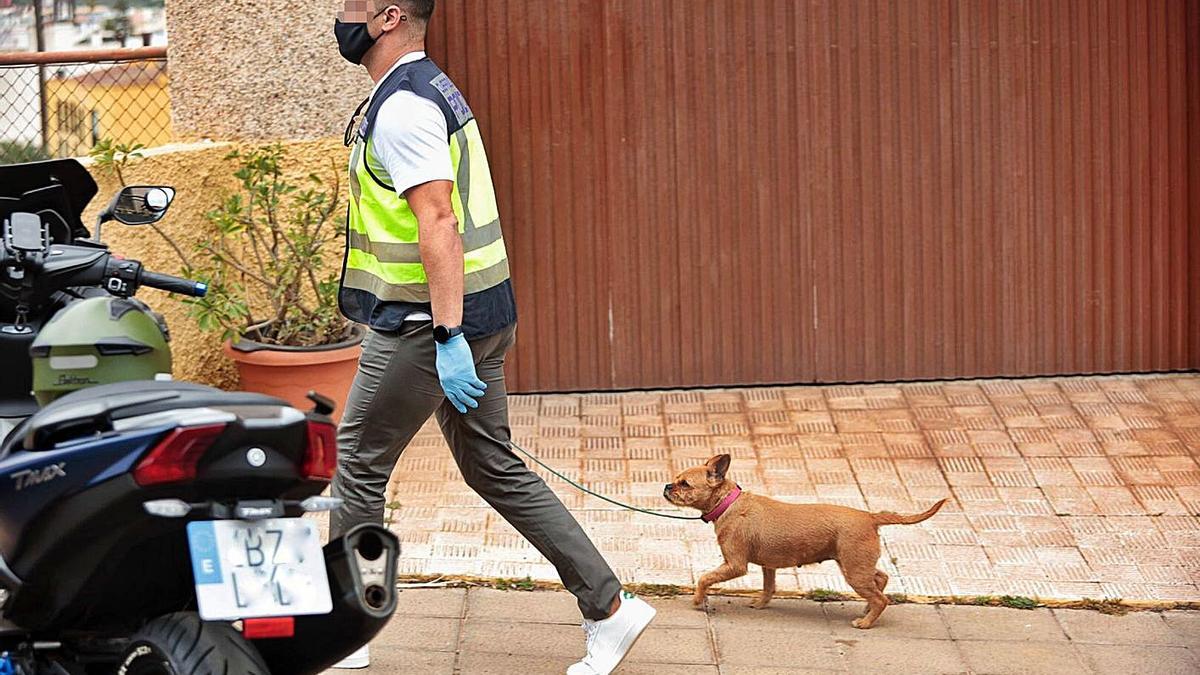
(889, 518)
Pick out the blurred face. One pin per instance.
(358, 11)
(361, 23)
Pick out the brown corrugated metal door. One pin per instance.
(701, 192)
(1192, 53)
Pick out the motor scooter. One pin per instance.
(147, 526)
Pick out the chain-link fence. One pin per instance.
(62, 104)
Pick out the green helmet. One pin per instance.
(98, 341)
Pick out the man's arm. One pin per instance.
(441, 248)
(411, 139)
(442, 255)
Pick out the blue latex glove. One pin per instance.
(456, 371)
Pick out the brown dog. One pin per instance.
(772, 534)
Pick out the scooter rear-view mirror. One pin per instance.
(142, 204)
(136, 205)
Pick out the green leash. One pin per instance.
(596, 494)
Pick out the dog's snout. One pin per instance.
(668, 487)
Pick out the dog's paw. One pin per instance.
(698, 601)
(861, 623)
(759, 604)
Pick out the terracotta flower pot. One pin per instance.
(290, 373)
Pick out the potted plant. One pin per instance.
(273, 294)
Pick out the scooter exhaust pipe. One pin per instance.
(361, 567)
(376, 596)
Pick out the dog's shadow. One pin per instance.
(790, 615)
(782, 609)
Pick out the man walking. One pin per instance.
(426, 270)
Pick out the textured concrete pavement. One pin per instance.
(1059, 488)
(489, 632)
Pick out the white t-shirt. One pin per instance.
(410, 137)
(411, 143)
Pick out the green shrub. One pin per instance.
(112, 157)
(525, 584)
(826, 595)
(268, 280)
(17, 152)
(1018, 602)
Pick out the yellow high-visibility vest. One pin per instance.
(382, 255)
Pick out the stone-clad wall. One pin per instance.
(259, 69)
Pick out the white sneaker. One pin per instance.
(361, 658)
(609, 640)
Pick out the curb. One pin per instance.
(1104, 606)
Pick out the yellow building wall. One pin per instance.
(125, 114)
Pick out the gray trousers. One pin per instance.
(394, 393)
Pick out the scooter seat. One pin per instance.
(93, 410)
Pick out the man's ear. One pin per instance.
(403, 19)
(717, 466)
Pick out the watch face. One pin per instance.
(443, 334)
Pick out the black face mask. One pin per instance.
(354, 40)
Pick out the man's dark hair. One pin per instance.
(421, 10)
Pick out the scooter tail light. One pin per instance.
(320, 456)
(176, 456)
(274, 627)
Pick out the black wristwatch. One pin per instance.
(443, 334)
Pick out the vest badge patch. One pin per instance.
(454, 97)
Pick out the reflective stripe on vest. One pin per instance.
(383, 256)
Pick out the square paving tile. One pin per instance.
(1125, 659)
(491, 663)
(674, 646)
(1022, 658)
(525, 639)
(1186, 625)
(781, 670)
(782, 615)
(495, 605)
(629, 668)
(897, 621)
(419, 633)
(745, 644)
(677, 612)
(443, 602)
(396, 661)
(998, 623)
(1135, 628)
(870, 654)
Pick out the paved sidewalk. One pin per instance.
(1065, 488)
(489, 632)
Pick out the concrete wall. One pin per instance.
(202, 176)
(259, 69)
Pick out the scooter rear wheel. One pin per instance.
(182, 644)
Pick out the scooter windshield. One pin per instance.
(61, 186)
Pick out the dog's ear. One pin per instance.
(717, 466)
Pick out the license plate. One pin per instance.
(262, 568)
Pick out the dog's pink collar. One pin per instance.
(723, 506)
